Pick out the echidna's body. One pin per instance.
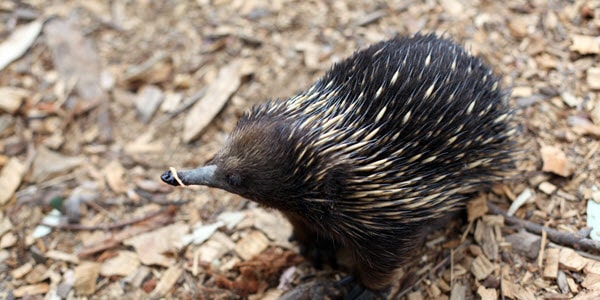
(389, 140)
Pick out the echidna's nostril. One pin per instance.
(168, 177)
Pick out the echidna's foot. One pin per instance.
(319, 289)
(357, 291)
(319, 254)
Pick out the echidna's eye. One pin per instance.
(233, 179)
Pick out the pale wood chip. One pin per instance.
(217, 94)
(551, 264)
(476, 208)
(18, 42)
(584, 44)
(86, 277)
(252, 244)
(30, 290)
(124, 263)
(592, 267)
(167, 280)
(547, 187)
(570, 260)
(487, 294)
(593, 78)
(10, 179)
(416, 295)
(555, 161)
(62, 256)
(482, 267)
(21, 271)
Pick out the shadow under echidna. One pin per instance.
(390, 140)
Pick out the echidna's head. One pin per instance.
(256, 162)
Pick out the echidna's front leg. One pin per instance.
(316, 247)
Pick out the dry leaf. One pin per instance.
(151, 246)
(18, 42)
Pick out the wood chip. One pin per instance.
(592, 267)
(591, 282)
(167, 280)
(30, 290)
(487, 294)
(124, 263)
(476, 208)
(589, 295)
(584, 44)
(482, 267)
(274, 225)
(252, 244)
(11, 98)
(148, 99)
(514, 291)
(152, 247)
(10, 179)
(18, 42)
(555, 161)
(62, 256)
(525, 243)
(114, 174)
(75, 57)
(551, 263)
(570, 260)
(217, 94)
(547, 188)
(458, 292)
(523, 198)
(593, 78)
(414, 296)
(48, 164)
(86, 277)
(21, 271)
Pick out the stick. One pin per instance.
(577, 241)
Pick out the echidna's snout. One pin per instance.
(201, 176)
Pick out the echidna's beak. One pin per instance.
(201, 176)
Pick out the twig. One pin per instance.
(444, 262)
(108, 226)
(576, 241)
(160, 219)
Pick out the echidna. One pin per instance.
(389, 141)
